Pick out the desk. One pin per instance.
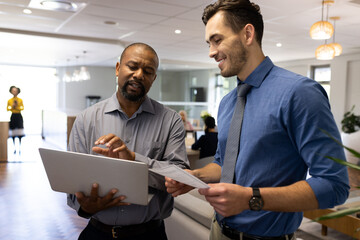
(56, 127)
(4, 135)
(347, 224)
(193, 155)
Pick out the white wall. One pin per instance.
(345, 81)
(353, 86)
(72, 95)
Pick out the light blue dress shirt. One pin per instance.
(280, 141)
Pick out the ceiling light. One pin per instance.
(110, 23)
(336, 46)
(27, 11)
(325, 52)
(177, 31)
(322, 29)
(58, 5)
(279, 45)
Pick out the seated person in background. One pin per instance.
(208, 142)
(187, 124)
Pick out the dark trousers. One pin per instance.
(92, 233)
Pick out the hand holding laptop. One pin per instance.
(115, 147)
(95, 203)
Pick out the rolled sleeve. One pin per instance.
(329, 180)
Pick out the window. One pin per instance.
(223, 86)
(322, 74)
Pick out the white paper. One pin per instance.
(178, 174)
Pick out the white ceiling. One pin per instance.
(58, 38)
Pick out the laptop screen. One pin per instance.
(198, 134)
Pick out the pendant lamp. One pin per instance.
(335, 45)
(322, 29)
(325, 52)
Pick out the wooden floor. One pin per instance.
(29, 209)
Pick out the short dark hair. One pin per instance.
(144, 45)
(238, 13)
(209, 122)
(14, 87)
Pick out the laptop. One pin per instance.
(71, 172)
(198, 134)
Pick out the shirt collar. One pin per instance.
(259, 74)
(114, 105)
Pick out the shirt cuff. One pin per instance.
(84, 214)
(323, 191)
(141, 158)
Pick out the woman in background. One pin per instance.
(15, 105)
(208, 142)
(187, 124)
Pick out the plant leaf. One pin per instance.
(338, 214)
(351, 165)
(355, 153)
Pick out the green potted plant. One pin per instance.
(350, 122)
(350, 126)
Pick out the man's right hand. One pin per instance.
(115, 147)
(94, 203)
(176, 188)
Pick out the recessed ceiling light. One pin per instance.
(110, 23)
(27, 11)
(177, 31)
(279, 45)
(59, 5)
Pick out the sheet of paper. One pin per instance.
(178, 174)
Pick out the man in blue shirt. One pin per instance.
(281, 138)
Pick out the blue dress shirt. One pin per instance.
(280, 141)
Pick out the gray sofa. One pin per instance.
(190, 219)
(192, 214)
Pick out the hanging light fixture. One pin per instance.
(325, 52)
(322, 29)
(335, 45)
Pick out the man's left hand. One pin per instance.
(95, 203)
(116, 148)
(227, 199)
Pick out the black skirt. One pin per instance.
(16, 121)
(16, 125)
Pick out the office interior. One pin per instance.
(64, 61)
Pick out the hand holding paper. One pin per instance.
(178, 174)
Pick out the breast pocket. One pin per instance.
(155, 150)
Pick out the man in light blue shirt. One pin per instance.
(281, 137)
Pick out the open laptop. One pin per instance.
(198, 134)
(72, 172)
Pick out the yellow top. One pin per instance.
(15, 105)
